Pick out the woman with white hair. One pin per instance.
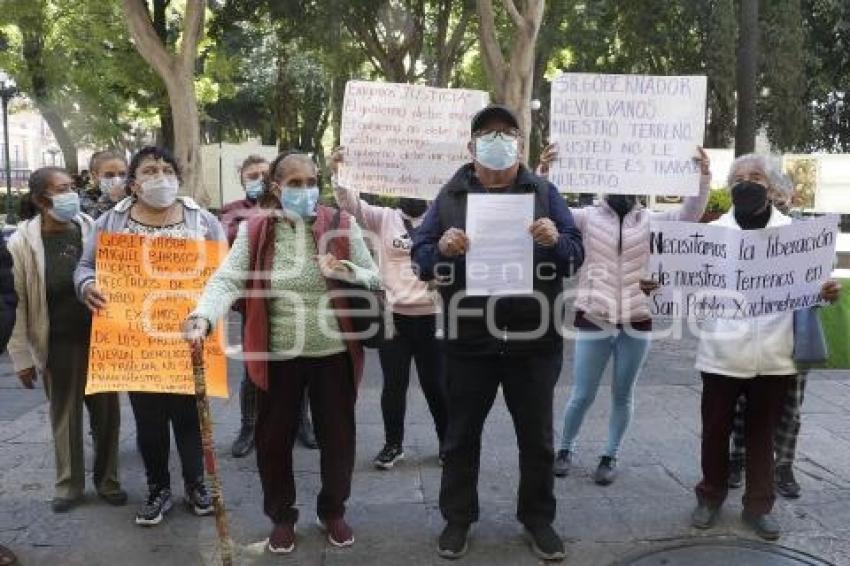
(752, 357)
(780, 193)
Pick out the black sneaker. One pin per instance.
(606, 472)
(198, 499)
(736, 473)
(563, 463)
(244, 443)
(786, 483)
(388, 457)
(454, 541)
(155, 508)
(546, 543)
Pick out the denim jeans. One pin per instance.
(593, 350)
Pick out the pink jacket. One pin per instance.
(609, 281)
(386, 234)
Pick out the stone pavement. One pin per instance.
(395, 513)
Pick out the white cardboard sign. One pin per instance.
(708, 271)
(405, 140)
(627, 134)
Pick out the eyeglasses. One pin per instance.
(508, 134)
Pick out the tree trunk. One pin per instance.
(747, 77)
(512, 80)
(177, 71)
(33, 55)
(63, 138)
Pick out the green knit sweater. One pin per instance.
(302, 322)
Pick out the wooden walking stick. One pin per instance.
(210, 465)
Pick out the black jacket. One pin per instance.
(8, 297)
(513, 314)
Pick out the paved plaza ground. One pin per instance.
(395, 513)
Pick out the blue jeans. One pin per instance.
(593, 350)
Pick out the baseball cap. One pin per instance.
(494, 112)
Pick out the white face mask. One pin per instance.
(160, 192)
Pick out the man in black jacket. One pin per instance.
(8, 305)
(483, 354)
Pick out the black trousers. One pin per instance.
(528, 384)
(154, 412)
(414, 340)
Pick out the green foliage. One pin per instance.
(719, 201)
(783, 108)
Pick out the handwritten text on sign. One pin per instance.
(151, 286)
(710, 271)
(627, 134)
(405, 140)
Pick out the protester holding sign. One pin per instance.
(787, 431)
(51, 336)
(285, 264)
(751, 357)
(414, 315)
(612, 316)
(492, 339)
(109, 179)
(155, 211)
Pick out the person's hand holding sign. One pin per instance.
(337, 158)
(702, 159)
(831, 291)
(648, 286)
(549, 155)
(454, 243)
(94, 298)
(544, 232)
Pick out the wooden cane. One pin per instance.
(210, 464)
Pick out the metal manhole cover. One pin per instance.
(712, 553)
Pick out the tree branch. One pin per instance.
(516, 17)
(494, 59)
(147, 41)
(193, 30)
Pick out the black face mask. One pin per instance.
(622, 204)
(413, 207)
(749, 198)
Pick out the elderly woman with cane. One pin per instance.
(287, 265)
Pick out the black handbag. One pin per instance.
(366, 308)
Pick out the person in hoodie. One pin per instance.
(155, 211)
(51, 336)
(492, 341)
(612, 318)
(753, 357)
(414, 315)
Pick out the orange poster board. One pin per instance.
(151, 285)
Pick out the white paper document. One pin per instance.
(500, 260)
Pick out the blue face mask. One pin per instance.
(301, 201)
(66, 206)
(254, 189)
(496, 152)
